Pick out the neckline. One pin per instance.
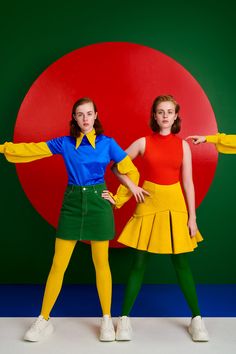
(168, 136)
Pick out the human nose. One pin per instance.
(165, 114)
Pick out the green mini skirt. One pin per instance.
(85, 215)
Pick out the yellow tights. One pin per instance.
(62, 255)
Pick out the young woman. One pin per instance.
(162, 223)
(224, 143)
(85, 213)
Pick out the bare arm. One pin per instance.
(189, 188)
(224, 143)
(135, 149)
(197, 139)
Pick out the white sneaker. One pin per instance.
(39, 330)
(107, 332)
(124, 329)
(198, 330)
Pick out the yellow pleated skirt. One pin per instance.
(159, 225)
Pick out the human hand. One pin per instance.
(192, 226)
(108, 196)
(138, 193)
(196, 139)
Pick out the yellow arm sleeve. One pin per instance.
(123, 194)
(225, 144)
(25, 152)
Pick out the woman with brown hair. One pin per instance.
(85, 212)
(162, 223)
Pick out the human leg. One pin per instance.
(103, 274)
(104, 287)
(186, 282)
(62, 256)
(42, 326)
(135, 281)
(124, 330)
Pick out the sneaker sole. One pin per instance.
(49, 330)
(123, 337)
(107, 339)
(203, 339)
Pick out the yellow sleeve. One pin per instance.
(123, 194)
(225, 144)
(25, 152)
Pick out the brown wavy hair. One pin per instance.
(74, 128)
(176, 126)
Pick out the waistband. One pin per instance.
(90, 188)
(154, 186)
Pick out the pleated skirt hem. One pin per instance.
(160, 224)
(163, 232)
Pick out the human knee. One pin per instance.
(179, 261)
(100, 255)
(100, 262)
(58, 266)
(140, 261)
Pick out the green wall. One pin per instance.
(200, 36)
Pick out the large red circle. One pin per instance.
(123, 79)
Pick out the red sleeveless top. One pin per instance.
(162, 158)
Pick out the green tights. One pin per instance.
(184, 277)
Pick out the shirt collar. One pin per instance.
(91, 136)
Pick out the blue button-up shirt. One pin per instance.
(86, 164)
